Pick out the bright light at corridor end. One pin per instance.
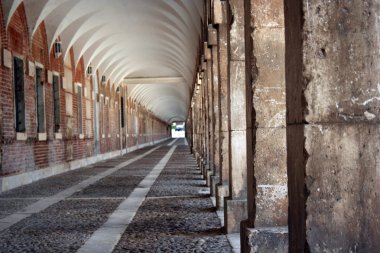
(178, 129)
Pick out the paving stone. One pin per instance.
(174, 223)
(9, 206)
(63, 227)
(52, 185)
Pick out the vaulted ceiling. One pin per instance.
(149, 45)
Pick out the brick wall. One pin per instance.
(19, 156)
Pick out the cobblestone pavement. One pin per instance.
(175, 217)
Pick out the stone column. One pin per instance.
(220, 18)
(211, 119)
(267, 200)
(235, 207)
(203, 91)
(196, 126)
(206, 160)
(212, 33)
(333, 101)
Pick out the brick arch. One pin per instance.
(79, 70)
(69, 70)
(17, 32)
(2, 26)
(39, 46)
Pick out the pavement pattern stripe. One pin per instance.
(44, 203)
(172, 142)
(106, 237)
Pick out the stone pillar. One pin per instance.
(267, 198)
(235, 206)
(206, 160)
(196, 127)
(204, 97)
(211, 119)
(216, 94)
(220, 14)
(333, 101)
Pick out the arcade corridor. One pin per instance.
(151, 200)
(278, 100)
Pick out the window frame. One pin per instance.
(57, 75)
(21, 134)
(78, 86)
(41, 134)
(101, 118)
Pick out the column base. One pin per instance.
(214, 180)
(208, 174)
(235, 211)
(204, 171)
(222, 191)
(266, 240)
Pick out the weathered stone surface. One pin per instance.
(225, 157)
(222, 191)
(268, 240)
(268, 13)
(271, 177)
(214, 181)
(237, 30)
(212, 36)
(269, 52)
(210, 121)
(216, 108)
(341, 176)
(237, 95)
(224, 116)
(268, 206)
(341, 66)
(235, 211)
(269, 104)
(220, 14)
(270, 156)
(238, 179)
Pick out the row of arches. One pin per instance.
(55, 113)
